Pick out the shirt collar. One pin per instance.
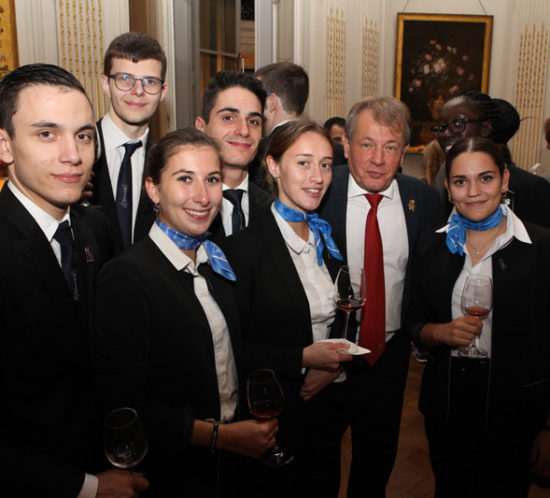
(45, 221)
(114, 137)
(180, 260)
(281, 124)
(296, 243)
(355, 190)
(242, 186)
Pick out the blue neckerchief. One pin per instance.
(216, 257)
(318, 226)
(456, 234)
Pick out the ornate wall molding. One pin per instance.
(335, 62)
(81, 45)
(532, 73)
(369, 58)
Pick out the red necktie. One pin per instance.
(372, 333)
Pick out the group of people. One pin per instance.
(158, 276)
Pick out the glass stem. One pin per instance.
(346, 321)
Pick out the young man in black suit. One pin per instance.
(133, 80)
(232, 114)
(50, 256)
(377, 216)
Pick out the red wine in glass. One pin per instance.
(477, 311)
(267, 410)
(477, 301)
(266, 401)
(350, 291)
(349, 305)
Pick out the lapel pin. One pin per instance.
(89, 255)
(412, 205)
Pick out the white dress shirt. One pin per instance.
(114, 140)
(315, 279)
(226, 210)
(484, 267)
(49, 225)
(223, 352)
(46, 222)
(395, 243)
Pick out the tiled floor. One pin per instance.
(412, 476)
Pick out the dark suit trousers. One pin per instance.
(466, 460)
(373, 403)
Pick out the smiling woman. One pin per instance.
(479, 445)
(168, 340)
(285, 266)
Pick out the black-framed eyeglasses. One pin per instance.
(455, 126)
(125, 82)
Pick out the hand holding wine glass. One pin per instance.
(266, 401)
(477, 301)
(350, 291)
(124, 439)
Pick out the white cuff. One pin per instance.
(89, 488)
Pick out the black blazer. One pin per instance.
(273, 306)
(519, 389)
(420, 206)
(529, 196)
(154, 352)
(103, 198)
(259, 200)
(46, 382)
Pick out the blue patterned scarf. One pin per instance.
(320, 228)
(456, 234)
(216, 257)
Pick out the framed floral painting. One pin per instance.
(438, 56)
(8, 39)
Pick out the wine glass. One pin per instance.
(477, 301)
(350, 291)
(266, 401)
(124, 439)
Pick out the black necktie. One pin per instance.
(124, 193)
(234, 196)
(64, 236)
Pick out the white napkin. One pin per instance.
(354, 349)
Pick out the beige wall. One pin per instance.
(370, 69)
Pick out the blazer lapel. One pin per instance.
(282, 261)
(334, 208)
(258, 201)
(145, 215)
(32, 246)
(409, 210)
(103, 193)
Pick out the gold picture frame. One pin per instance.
(437, 56)
(9, 59)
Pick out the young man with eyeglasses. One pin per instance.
(133, 80)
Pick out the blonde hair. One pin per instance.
(432, 161)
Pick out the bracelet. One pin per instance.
(214, 439)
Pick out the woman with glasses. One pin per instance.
(285, 267)
(486, 386)
(476, 114)
(167, 332)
